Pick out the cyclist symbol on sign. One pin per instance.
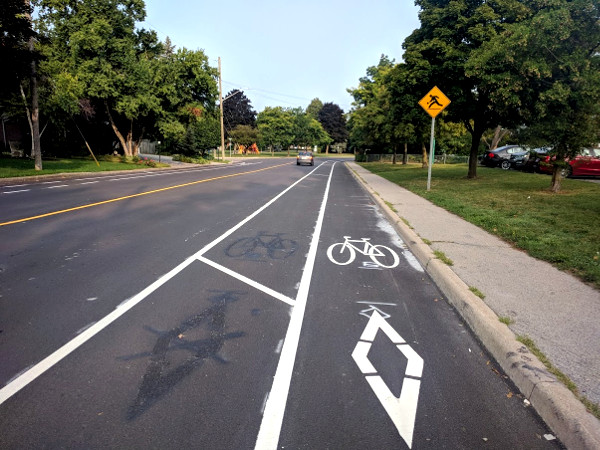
(343, 253)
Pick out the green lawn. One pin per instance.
(13, 167)
(563, 228)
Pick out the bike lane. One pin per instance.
(384, 361)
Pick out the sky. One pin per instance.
(288, 52)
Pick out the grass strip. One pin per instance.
(592, 407)
(518, 207)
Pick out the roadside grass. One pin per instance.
(506, 320)
(592, 407)
(442, 257)
(17, 167)
(562, 229)
(477, 292)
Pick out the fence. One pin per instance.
(439, 159)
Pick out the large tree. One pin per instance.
(99, 57)
(15, 32)
(369, 120)
(438, 51)
(307, 131)
(547, 66)
(237, 110)
(331, 116)
(95, 45)
(314, 107)
(275, 127)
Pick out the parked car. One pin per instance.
(519, 160)
(502, 156)
(586, 163)
(536, 156)
(305, 158)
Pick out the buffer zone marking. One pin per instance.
(154, 191)
(29, 375)
(228, 233)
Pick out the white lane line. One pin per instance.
(270, 427)
(253, 215)
(248, 281)
(14, 192)
(90, 182)
(50, 182)
(19, 383)
(58, 186)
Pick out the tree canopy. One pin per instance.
(237, 110)
(530, 66)
(331, 116)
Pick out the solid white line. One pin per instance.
(378, 303)
(270, 427)
(251, 216)
(248, 281)
(14, 192)
(20, 382)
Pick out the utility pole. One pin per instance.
(221, 107)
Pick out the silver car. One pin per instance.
(305, 158)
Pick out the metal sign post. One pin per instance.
(433, 103)
(431, 147)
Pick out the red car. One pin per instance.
(587, 163)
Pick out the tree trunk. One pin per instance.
(117, 132)
(405, 155)
(425, 163)
(556, 178)
(327, 149)
(476, 135)
(394, 157)
(28, 117)
(35, 116)
(499, 134)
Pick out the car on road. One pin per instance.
(586, 163)
(501, 157)
(305, 158)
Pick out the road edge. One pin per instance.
(555, 404)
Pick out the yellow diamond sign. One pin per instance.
(434, 102)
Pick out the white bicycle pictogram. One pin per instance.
(343, 253)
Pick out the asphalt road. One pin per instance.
(256, 305)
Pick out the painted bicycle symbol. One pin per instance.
(343, 253)
(262, 245)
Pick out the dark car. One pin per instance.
(519, 160)
(305, 158)
(536, 156)
(501, 157)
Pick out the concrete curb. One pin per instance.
(557, 406)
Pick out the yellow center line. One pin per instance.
(54, 213)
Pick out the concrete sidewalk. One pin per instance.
(560, 313)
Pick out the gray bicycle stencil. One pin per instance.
(263, 246)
